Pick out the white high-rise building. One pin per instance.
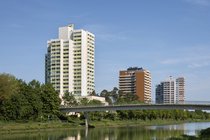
(69, 62)
(170, 91)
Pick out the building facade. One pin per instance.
(69, 61)
(170, 91)
(180, 89)
(136, 81)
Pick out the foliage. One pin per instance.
(85, 101)
(27, 101)
(8, 86)
(110, 96)
(51, 99)
(127, 98)
(93, 93)
(40, 102)
(124, 115)
(69, 99)
(204, 135)
(119, 97)
(94, 102)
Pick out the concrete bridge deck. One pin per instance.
(137, 107)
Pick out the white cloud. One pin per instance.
(171, 61)
(199, 65)
(191, 62)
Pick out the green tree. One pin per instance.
(127, 98)
(205, 133)
(22, 101)
(106, 94)
(111, 116)
(33, 96)
(93, 93)
(84, 101)
(94, 102)
(69, 99)
(8, 86)
(51, 99)
(9, 109)
(103, 93)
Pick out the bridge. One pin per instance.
(87, 109)
(137, 107)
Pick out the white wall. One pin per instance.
(84, 63)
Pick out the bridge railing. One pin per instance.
(185, 102)
(151, 103)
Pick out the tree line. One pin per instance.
(148, 115)
(20, 100)
(116, 97)
(27, 101)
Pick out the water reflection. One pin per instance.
(123, 133)
(193, 128)
(78, 137)
(187, 128)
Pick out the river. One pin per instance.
(162, 132)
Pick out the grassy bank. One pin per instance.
(18, 127)
(14, 127)
(121, 123)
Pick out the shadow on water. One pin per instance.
(119, 133)
(128, 133)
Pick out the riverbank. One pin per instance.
(17, 127)
(123, 123)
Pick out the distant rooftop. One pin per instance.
(134, 68)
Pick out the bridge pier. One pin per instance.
(86, 119)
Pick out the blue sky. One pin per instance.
(167, 37)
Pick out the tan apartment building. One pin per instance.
(137, 81)
(180, 90)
